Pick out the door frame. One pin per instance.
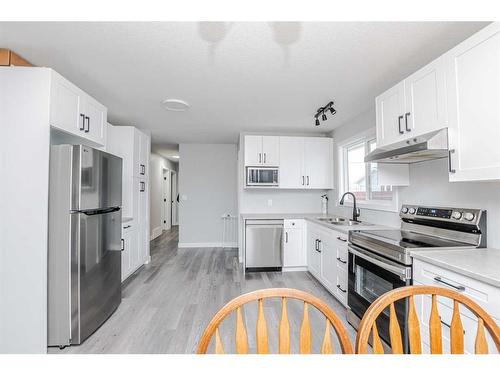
(166, 199)
(174, 190)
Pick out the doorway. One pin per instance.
(166, 215)
(174, 198)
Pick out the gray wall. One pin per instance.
(429, 185)
(208, 181)
(156, 165)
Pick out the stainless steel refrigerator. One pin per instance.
(84, 272)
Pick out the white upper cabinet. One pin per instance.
(75, 112)
(389, 115)
(318, 163)
(473, 97)
(425, 100)
(261, 150)
(306, 163)
(291, 174)
(413, 107)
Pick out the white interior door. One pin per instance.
(174, 199)
(166, 201)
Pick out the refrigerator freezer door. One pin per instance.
(96, 270)
(97, 179)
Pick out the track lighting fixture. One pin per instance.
(322, 111)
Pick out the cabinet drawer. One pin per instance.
(342, 258)
(341, 286)
(487, 296)
(293, 224)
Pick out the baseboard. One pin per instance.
(206, 244)
(292, 269)
(155, 233)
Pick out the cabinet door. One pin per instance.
(95, 120)
(425, 98)
(291, 174)
(293, 248)
(271, 151)
(328, 263)
(65, 106)
(313, 253)
(143, 154)
(473, 94)
(253, 150)
(318, 163)
(142, 219)
(390, 115)
(129, 253)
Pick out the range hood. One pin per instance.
(429, 146)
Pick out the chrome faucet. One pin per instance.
(355, 210)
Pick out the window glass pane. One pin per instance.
(377, 192)
(356, 179)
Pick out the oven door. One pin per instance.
(262, 176)
(370, 276)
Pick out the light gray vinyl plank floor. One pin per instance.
(168, 303)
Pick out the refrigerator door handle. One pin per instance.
(100, 212)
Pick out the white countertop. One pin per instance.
(479, 264)
(314, 218)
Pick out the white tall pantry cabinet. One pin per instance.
(133, 146)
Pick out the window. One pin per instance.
(361, 178)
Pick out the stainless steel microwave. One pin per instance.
(262, 176)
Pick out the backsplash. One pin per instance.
(429, 185)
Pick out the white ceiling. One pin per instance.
(235, 76)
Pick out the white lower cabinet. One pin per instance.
(294, 253)
(487, 296)
(327, 259)
(130, 250)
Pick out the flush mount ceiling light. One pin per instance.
(322, 112)
(175, 105)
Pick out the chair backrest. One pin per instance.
(368, 323)
(284, 325)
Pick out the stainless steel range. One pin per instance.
(379, 260)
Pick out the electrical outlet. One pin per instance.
(269, 203)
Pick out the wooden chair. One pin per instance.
(368, 323)
(284, 326)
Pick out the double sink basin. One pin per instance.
(340, 221)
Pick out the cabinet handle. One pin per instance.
(88, 124)
(83, 121)
(399, 125)
(143, 186)
(126, 227)
(450, 169)
(264, 158)
(143, 169)
(286, 237)
(307, 180)
(318, 247)
(341, 239)
(260, 158)
(339, 288)
(457, 287)
(341, 261)
(123, 245)
(303, 180)
(406, 121)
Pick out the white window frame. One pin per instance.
(380, 205)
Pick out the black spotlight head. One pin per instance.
(323, 117)
(317, 122)
(332, 110)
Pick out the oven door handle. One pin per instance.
(403, 272)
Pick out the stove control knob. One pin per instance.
(412, 210)
(404, 210)
(457, 215)
(469, 216)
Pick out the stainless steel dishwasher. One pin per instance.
(263, 245)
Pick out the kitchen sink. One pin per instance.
(339, 221)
